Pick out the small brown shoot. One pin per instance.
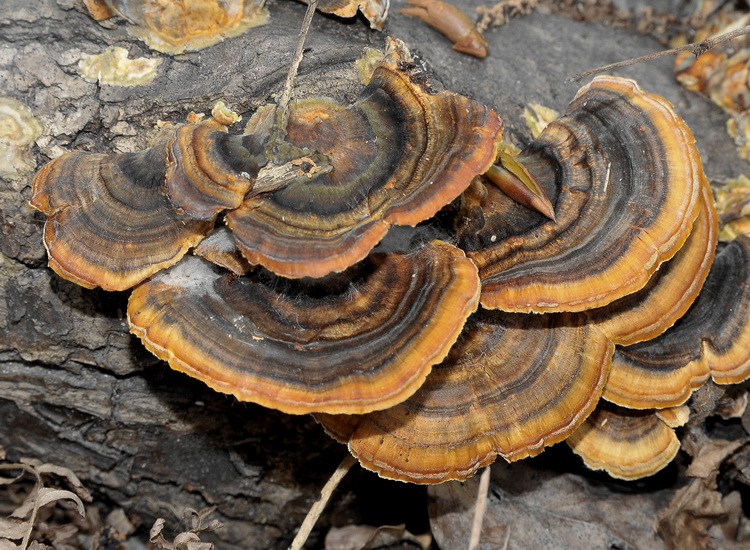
(513, 179)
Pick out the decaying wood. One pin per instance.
(77, 390)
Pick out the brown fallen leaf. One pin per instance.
(364, 537)
(188, 539)
(27, 517)
(734, 528)
(710, 455)
(740, 465)
(685, 523)
(734, 403)
(120, 523)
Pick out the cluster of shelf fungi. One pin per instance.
(251, 260)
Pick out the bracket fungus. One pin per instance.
(512, 385)
(375, 11)
(286, 304)
(18, 130)
(109, 223)
(394, 157)
(173, 27)
(353, 343)
(624, 175)
(712, 339)
(112, 67)
(211, 170)
(669, 293)
(399, 154)
(627, 444)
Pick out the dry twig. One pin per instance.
(286, 94)
(696, 48)
(479, 509)
(317, 508)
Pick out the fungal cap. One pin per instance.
(354, 343)
(108, 221)
(399, 154)
(626, 444)
(615, 224)
(509, 387)
(711, 339)
(669, 293)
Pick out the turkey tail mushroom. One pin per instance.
(352, 343)
(625, 177)
(109, 223)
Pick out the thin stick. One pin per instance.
(317, 508)
(286, 94)
(696, 48)
(479, 509)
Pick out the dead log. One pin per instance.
(78, 390)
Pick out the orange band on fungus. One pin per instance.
(353, 343)
(626, 444)
(712, 339)
(399, 154)
(511, 385)
(669, 293)
(109, 223)
(624, 175)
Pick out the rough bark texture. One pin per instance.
(77, 390)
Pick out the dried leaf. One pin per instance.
(198, 517)
(190, 541)
(185, 538)
(69, 476)
(11, 480)
(503, 11)
(61, 537)
(155, 536)
(39, 546)
(119, 521)
(13, 530)
(5, 544)
(537, 117)
(532, 508)
(732, 526)
(710, 456)
(44, 497)
(740, 461)
(695, 507)
(365, 537)
(733, 405)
